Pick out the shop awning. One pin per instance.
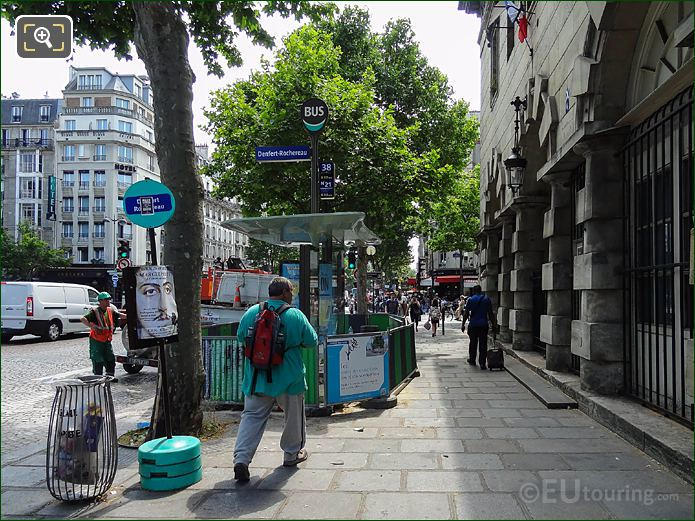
(426, 282)
(468, 282)
(346, 228)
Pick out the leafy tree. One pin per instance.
(455, 220)
(161, 32)
(389, 165)
(20, 260)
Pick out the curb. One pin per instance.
(669, 452)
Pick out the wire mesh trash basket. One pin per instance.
(82, 446)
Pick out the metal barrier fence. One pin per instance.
(402, 360)
(383, 320)
(223, 363)
(223, 359)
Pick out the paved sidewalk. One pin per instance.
(461, 444)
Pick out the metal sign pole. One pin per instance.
(314, 172)
(162, 350)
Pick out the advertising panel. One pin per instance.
(356, 367)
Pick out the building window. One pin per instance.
(152, 162)
(84, 179)
(43, 133)
(70, 124)
(45, 113)
(99, 230)
(83, 205)
(125, 231)
(100, 153)
(68, 178)
(28, 188)
(27, 163)
(17, 114)
(27, 212)
(125, 154)
(82, 254)
(125, 126)
(99, 253)
(150, 136)
(81, 151)
(122, 103)
(510, 38)
(67, 230)
(99, 204)
(5, 137)
(494, 42)
(125, 179)
(138, 91)
(102, 124)
(68, 204)
(69, 153)
(99, 178)
(88, 102)
(83, 230)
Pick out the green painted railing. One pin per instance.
(223, 362)
(402, 359)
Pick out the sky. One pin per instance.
(447, 36)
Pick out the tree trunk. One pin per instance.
(361, 276)
(460, 272)
(161, 40)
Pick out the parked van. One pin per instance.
(46, 309)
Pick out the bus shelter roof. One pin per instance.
(346, 228)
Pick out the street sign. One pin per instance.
(123, 263)
(114, 279)
(51, 213)
(326, 181)
(112, 272)
(148, 204)
(314, 114)
(283, 153)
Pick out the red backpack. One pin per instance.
(265, 340)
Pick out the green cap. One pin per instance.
(103, 295)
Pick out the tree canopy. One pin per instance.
(394, 133)
(22, 258)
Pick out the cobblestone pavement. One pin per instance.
(28, 363)
(461, 444)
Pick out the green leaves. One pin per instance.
(21, 259)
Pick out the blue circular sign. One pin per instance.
(148, 203)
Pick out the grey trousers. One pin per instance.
(257, 409)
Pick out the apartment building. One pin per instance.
(104, 143)
(28, 165)
(218, 241)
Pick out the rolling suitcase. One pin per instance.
(495, 355)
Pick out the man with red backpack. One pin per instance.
(272, 333)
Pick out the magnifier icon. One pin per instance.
(43, 35)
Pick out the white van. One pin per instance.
(46, 309)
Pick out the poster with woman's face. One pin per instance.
(150, 290)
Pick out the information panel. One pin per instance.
(356, 367)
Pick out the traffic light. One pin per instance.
(352, 261)
(123, 249)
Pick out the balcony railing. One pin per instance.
(83, 238)
(69, 111)
(68, 235)
(99, 209)
(126, 236)
(100, 184)
(84, 185)
(68, 210)
(100, 157)
(68, 158)
(83, 211)
(68, 184)
(123, 186)
(125, 159)
(27, 143)
(90, 86)
(98, 235)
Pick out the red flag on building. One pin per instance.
(523, 28)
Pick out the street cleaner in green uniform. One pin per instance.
(101, 320)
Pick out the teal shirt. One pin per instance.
(288, 377)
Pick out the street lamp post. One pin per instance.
(516, 163)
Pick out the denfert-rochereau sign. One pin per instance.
(286, 153)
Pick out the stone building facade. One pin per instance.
(28, 163)
(589, 261)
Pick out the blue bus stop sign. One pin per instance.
(148, 204)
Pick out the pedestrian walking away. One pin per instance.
(415, 312)
(435, 314)
(102, 321)
(479, 309)
(283, 384)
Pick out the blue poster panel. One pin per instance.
(290, 270)
(356, 367)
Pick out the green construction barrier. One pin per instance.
(402, 360)
(310, 358)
